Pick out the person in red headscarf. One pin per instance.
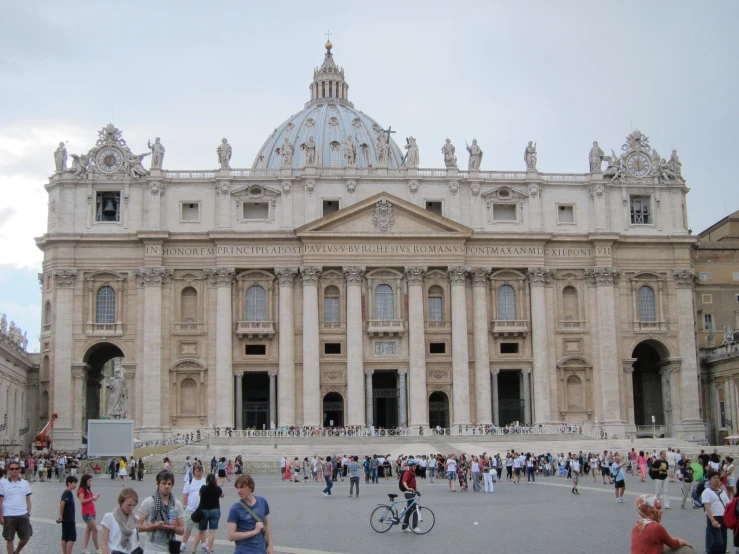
(648, 536)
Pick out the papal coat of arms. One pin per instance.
(384, 217)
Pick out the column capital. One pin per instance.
(64, 278)
(153, 276)
(272, 373)
(78, 373)
(629, 365)
(369, 372)
(157, 188)
(526, 371)
(539, 276)
(286, 275)
(129, 374)
(684, 278)
(220, 276)
(495, 371)
(458, 274)
(354, 274)
(310, 274)
(414, 274)
(480, 276)
(239, 376)
(403, 371)
(603, 276)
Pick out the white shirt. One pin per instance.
(451, 465)
(192, 489)
(283, 461)
(575, 466)
(711, 497)
(114, 534)
(671, 458)
(517, 463)
(14, 495)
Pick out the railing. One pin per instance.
(437, 324)
(188, 327)
(503, 175)
(564, 177)
(385, 326)
(327, 325)
(650, 430)
(571, 324)
(189, 174)
(257, 329)
(712, 353)
(105, 328)
(432, 172)
(509, 326)
(651, 326)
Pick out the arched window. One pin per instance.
(189, 305)
(436, 303)
(47, 313)
(384, 308)
(105, 309)
(256, 304)
(188, 397)
(331, 304)
(570, 304)
(645, 297)
(506, 303)
(574, 393)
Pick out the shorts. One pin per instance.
(451, 475)
(731, 481)
(222, 473)
(69, 532)
(17, 524)
(189, 523)
(605, 471)
(517, 470)
(621, 484)
(575, 478)
(87, 519)
(210, 519)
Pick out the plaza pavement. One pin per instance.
(541, 517)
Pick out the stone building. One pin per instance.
(716, 259)
(337, 283)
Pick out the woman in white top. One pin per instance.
(730, 477)
(119, 526)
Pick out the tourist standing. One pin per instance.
(475, 467)
(122, 471)
(66, 516)
(730, 477)
(714, 500)
(161, 515)
(617, 470)
(328, 470)
(191, 501)
(411, 490)
(641, 461)
(659, 474)
(222, 471)
(490, 475)
(353, 469)
(119, 526)
(685, 474)
(113, 468)
(374, 468)
(575, 470)
(248, 520)
(210, 504)
(87, 502)
(15, 508)
(451, 471)
(140, 469)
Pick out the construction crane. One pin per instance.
(43, 440)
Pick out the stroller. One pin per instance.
(696, 492)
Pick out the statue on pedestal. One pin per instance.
(79, 166)
(224, 154)
(382, 148)
(450, 160)
(350, 152)
(675, 165)
(711, 338)
(60, 158)
(728, 335)
(309, 147)
(412, 157)
(475, 156)
(118, 395)
(157, 153)
(529, 156)
(286, 150)
(3, 323)
(596, 158)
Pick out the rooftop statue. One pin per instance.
(675, 165)
(450, 160)
(596, 157)
(309, 147)
(412, 157)
(350, 152)
(382, 148)
(475, 156)
(286, 150)
(79, 165)
(224, 154)
(157, 153)
(529, 156)
(60, 158)
(135, 167)
(3, 323)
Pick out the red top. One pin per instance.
(409, 479)
(88, 508)
(651, 540)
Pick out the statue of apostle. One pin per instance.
(60, 158)
(309, 147)
(412, 157)
(157, 153)
(350, 152)
(118, 396)
(475, 155)
(450, 160)
(224, 154)
(286, 150)
(596, 158)
(382, 148)
(529, 156)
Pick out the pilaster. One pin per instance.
(311, 370)
(419, 414)
(286, 346)
(223, 204)
(482, 349)
(354, 276)
(539, 277)
(156, 191)
(63, 400)
(460, 349)
(287, 206)
(222, 278)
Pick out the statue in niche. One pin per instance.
(711, 339)
(157, 153)
(118, 395)
(475, 156)
(79, 166)
(529, 156)
(136, 168)
(412, 157)
(596, 158)
(350, 152)
(382, 148)
(224, 154)
(60, 158)
(286, 150)
(309, 147)
(450, 160)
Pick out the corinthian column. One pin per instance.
(460, 350)
(311, 370)
(152, 279)
(62, 403)
(685, 281)
(221, 278)
(539, 277)
(482, 352)
(286, 373)
(419, 413)
(354, 351)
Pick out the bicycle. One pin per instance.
(386, 515)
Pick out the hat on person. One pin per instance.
(412, 462)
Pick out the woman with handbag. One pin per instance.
(210, 506)
(120, 535)
(248, 520)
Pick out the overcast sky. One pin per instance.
(561, 73)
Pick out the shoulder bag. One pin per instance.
(257, 518)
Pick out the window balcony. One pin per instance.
(651, 327)
(104, 329)
(509, 327)
(255, 329)
(438, 325)
(572, 326)
(333, 326)
(385, 327)
(189, 328)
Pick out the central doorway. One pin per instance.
(333, 410)
(385, 399)
(439, 410)
(648, 399)
(255, 407)
(100, 361)
(510, 403)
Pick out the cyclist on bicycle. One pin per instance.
(409, 485)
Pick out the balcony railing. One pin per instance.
(385, 327)
(571, 324)
(333, 325)
(106, 329)
(437, 325)
(188, 328)
(651, 326)
(509, 327)
(255, 329)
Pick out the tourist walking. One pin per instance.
(248, 520)
(191, 501)
(575, 470)
(730, 477)
(490, 476)
(659, 473)
(451, 471)
(714, 500)
(15, 508)
(641, 461)
(222, 472)
(140, 469)
(66, 516)
(648, 534)
(353, 475)
(475, 468)
(87, 502)
(374, 469)
(210, 504)
(120, 526)
(122, 473)
(161, 516)
(685, 474)
(328, 470)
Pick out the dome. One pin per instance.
(329, 119)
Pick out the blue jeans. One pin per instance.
(210, 519)
(530, 474)
(329, 484)
(374, 476)
(715, 538)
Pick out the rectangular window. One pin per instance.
(705, 276)
(190, 212)
(330, 207)
(565, 214)
(434, 207)
(256, 349)
(736, 298)
(707, 298)
(708, 322)
(504, 212)
(641, 210)
(332, 348)
(437, 348)
(435, 312)
(736, 276)
(331, 309)
(256, 211)
(108, 207)
(509, 348)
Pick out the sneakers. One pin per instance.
(204, 548)
(416, 529)
(325, 494)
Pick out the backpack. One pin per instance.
(696, 494)
(730, 518)
(400, 485)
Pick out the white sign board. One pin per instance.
(110, 437)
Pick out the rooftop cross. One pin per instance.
(328, 36)
(388, 132)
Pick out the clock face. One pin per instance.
(109, 160)
(638, 165)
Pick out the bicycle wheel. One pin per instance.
(382, 519)
(426, 520)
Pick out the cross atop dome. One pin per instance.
(328, 80)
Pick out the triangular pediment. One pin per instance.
(385, 215)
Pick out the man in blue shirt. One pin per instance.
(354, 475)
(617, 472)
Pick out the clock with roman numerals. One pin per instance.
(109, 159)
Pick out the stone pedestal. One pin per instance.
(311, 370)
(286, 346)
(482, 352)
(419, 413)
(354, 346)
(460, 351)
(539, 278)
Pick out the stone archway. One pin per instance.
(651, 385)
(438, 410)
(333, 410)
(97, 363)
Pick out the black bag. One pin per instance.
(197, 515)
(257, 518)
(137, 550)
(174, 546)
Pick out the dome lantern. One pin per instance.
(328, 81)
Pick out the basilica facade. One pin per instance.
(338, 282)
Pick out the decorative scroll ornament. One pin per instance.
(479, 276)
(454, 188)
(685, 278)
(310, 186)
(220, 276)
(157, 188)
(458, 274)
(354, 274)
(414, 274)
(153, 276)
(351, 187)
(64, 277)
(540, 276)
(286, 275)
(310, 274)
(413, 186)
(600, 276)
(384, 218)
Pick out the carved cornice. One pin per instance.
(684, 278)
(540, 276)
(479, 276)
(414, 274)
(64, 278)
(354, 274)
(458, 274)
(157, 188)
(153, 276)
(602, 276)
(310, 274)
(219, 276)
(286, 275)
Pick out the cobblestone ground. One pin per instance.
(540, 517)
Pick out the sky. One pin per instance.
(560, 73)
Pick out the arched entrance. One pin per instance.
(439, 410)
(99, 360)
(333, 410)
(649, 356)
